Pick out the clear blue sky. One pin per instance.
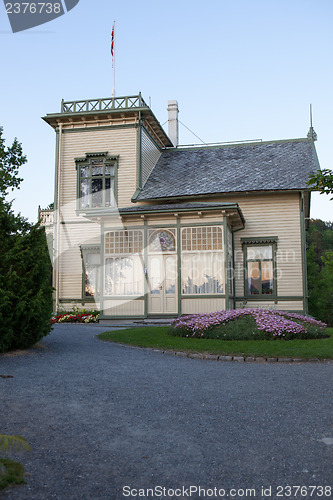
(239, 70)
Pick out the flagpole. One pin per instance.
(113, 59)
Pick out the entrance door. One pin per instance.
(162, 275)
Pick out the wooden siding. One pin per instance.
(150, 154)
(78, 305)
(290, 305)
(69, 259)
(119, 142)
(202, 305)
(123, 307)
(271, 215)
(274, 215)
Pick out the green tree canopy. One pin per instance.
(11, 159)
(322, 181)
(320, 269)
(25, 267)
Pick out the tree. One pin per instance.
(25, 267)
(320, 269)
(322, 181)
(11, 159)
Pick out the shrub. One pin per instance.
(25, 289)
(25, 267)
(11, 472)
(241, 324)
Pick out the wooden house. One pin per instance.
(144, 227)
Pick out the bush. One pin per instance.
(25, 288)
(248, 324)
(11, 472)
(25, 267)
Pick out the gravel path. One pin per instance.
(100, 416)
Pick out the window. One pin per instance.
(259, 268)
(124, 242)
(204, 238)
(202, 260)
(162, 240)
(124, 270)
(91, 273)
(96, 181)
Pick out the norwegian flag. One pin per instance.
(112, 41)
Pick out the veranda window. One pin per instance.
(124, 263)
(202, 260)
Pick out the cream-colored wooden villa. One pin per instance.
(146, 228)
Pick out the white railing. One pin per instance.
(46, 217)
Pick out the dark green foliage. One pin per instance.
(25, 267)
(320, 270)
(322, 181)
(10, 473)
(11, 159)
(26, 291)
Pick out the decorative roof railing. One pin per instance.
(46, 217)
(109, 103)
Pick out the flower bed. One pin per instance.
(252, 323)
(86, 317)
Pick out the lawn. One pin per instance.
(157, 337)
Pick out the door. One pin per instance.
(162, 280)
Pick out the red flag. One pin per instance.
(112, 40)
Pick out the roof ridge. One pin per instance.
(234, 144)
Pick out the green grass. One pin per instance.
(10, 473)
(157, 337)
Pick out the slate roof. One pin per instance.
(260, 166)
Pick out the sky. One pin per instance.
(239, 70)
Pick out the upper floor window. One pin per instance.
(96, 180)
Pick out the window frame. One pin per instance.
(119, 254)
(255, 242)
(188, 244)
(85, 250)
(87, 161)
(154, 232)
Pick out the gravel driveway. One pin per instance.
(100, 416)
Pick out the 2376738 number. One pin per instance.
(303, 491)
(33, 8)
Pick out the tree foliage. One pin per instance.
(320, 270)
(25, 267)
(11, 159)
(322, 181)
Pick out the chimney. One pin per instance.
(173, 121)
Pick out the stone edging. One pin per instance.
(222, 357)
(241, 359)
